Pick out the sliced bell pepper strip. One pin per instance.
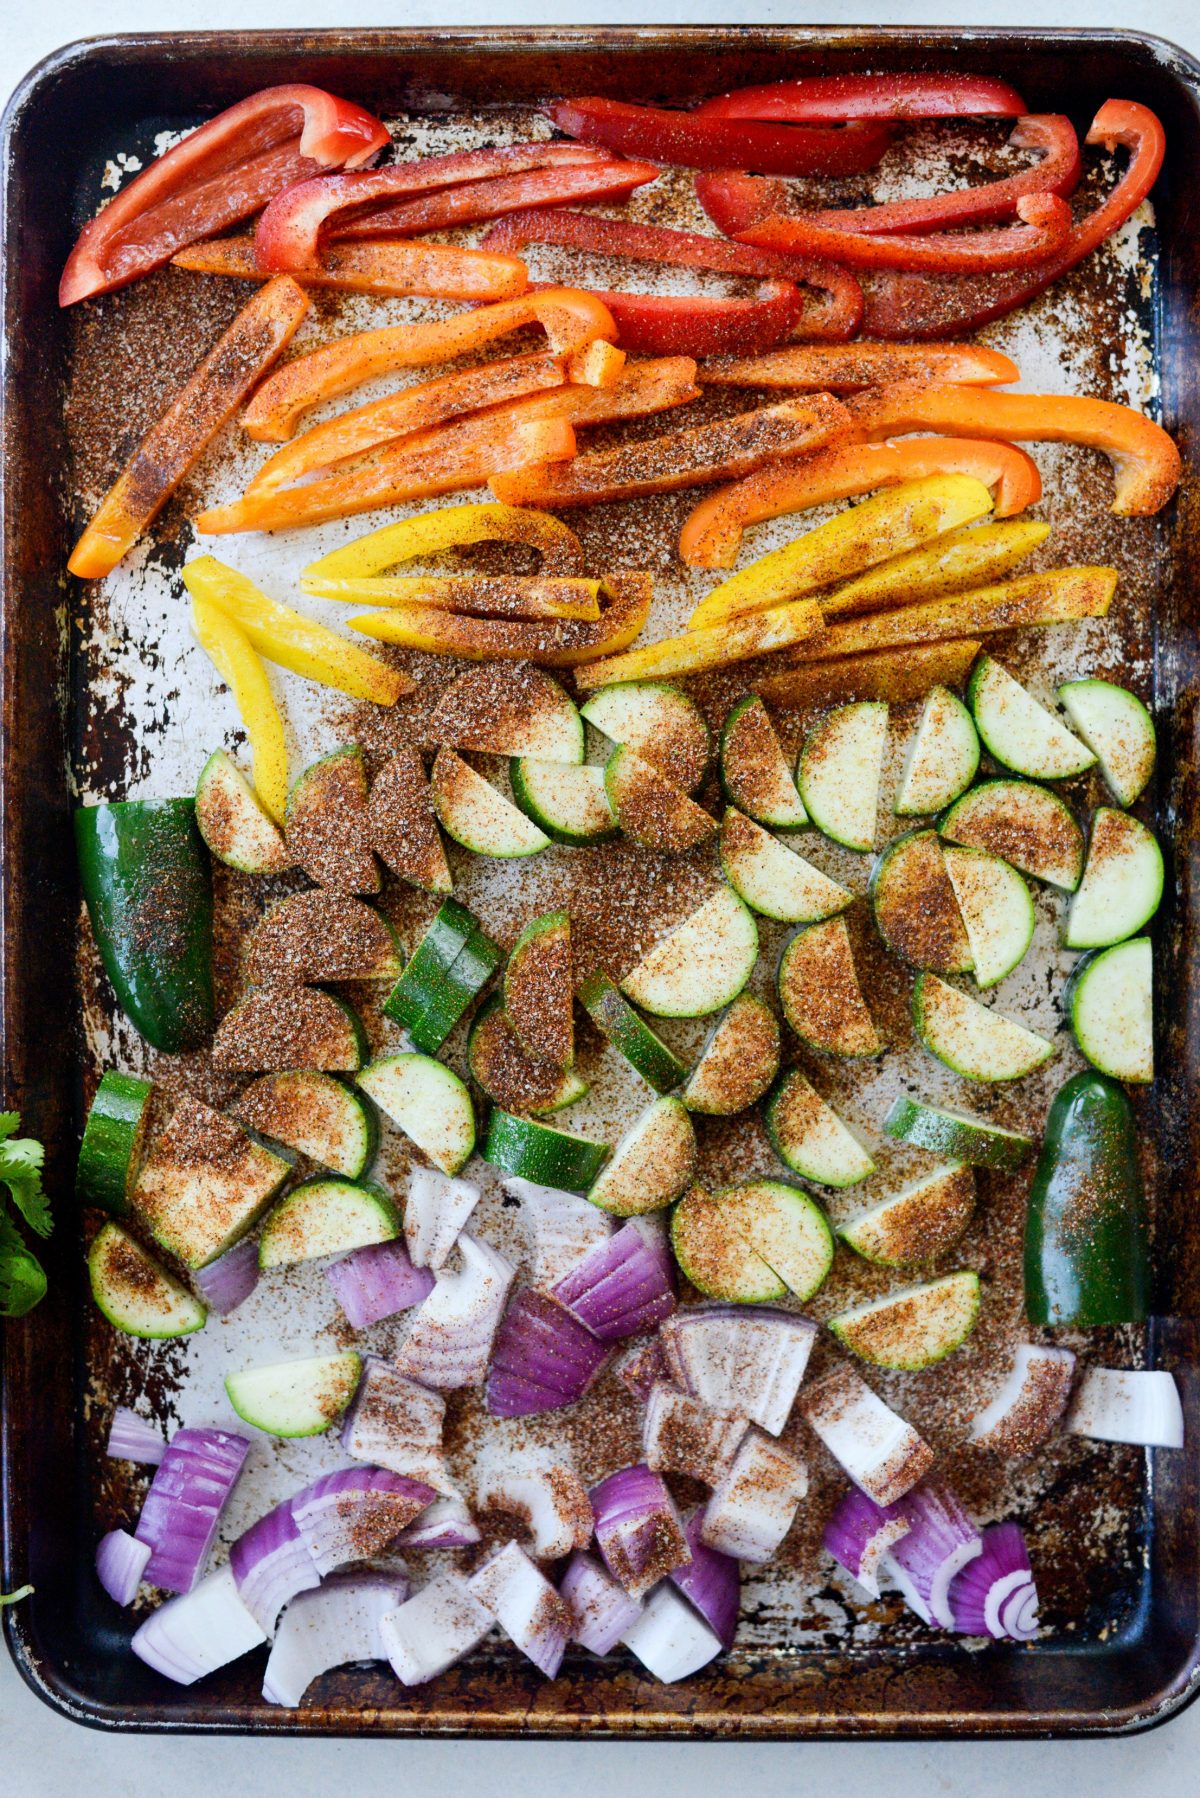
(405, 413)
(688, 458)
(391, 269)
(453, 456)
(1045, 227)
(477, 595)
(1057, 596)
(712, 533)
(703, 325)
(831, 99)
(450, 527)
(908, 305)
(1146, 462)
(560, 643)
(693, 140)
(291, 640)
(569, 318)
(297, 224)
(237, 662)
(890, 524)
(261, 330)
(596, 364)
(473, 201)
(696, 652)
(840, 368)
(216, 177)
(655, 385)
(893, 674)
(950, 564)
(835, 316)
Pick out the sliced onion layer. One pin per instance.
(751, 1362)
(355, 1512)
(436, 1209)
(553, 1505)
(332, 1627)
(544, 1358)
(643, 1367)
(670, 1638)
(860, 1532)
(453, 1330)
(1117, 1404)
(562, 1228)
(995, 1594)
(622, 1287)
(681, 1435)
(882, 1454)
(638, 1529)
(711, 1581)
(184, 1504)
(206, 1628)
(271, 1564)
(601, 1608)
(396, 1422)
(120, 1563)
(1029, 1406)
(941, 1540)
(754, 1503)
(525, 1605)
(228, 1281)
(434, 1629)
(446, 1523)
(131, 1438)
(377, 1281)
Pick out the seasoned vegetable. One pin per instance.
(840, 767)
(915, 908)
(612, 1014)
(738, 1061)
(114, 1137)
(1116, 726)
(820, 994)
(135, 1293)
(915, 1328)
(772, 878)
(316, 1114)
(327, 829)
(702, 965)
(539, 990)
(975, 1042)
(234, 823)
(918, 1223)
(660, 723)
(808, 1135)
(1110, 1002)
(754, 769)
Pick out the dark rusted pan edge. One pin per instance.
(1129, 1685)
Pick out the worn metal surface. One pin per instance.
(106, 696)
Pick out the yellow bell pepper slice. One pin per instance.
(293, 641)
(448, 527)
(898, 520)
(478, 595)
(892, 674)
(233, 656)
(951, 563)
(697, 651)
(552, 642)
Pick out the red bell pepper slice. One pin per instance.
(294, 226)
(706, 326)
(697, 141)
(831, 99)
(1045, 227)
(473, 201)
(1058, 172)
(217, 176)
(915, 306)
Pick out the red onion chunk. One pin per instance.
(733, 1359)
(271, 1564)
(355, 1512)
(883, 1455)
(754, 1504)
(1116, 1404)
(544, 1358)
(131, 1438)
(120, 1563)
(995, 1594)
(376, 1282)
(453, 1330)
(860, 1532)
(184, 1504)
(601, 1608)
(670, 1638)
(680, 1435)
(330, 1628)
(395, 1422)
(638, 1529)
(552, 1503)
(434, 1629)
(940, 1542)
(711, 1581)
(1029, 1406)
(562, 1228)
(436, 1209)
(642, 1368)
(446, 1523)
(228, 1281)
(622, 1287)
(191, 1636)
(525, 1605)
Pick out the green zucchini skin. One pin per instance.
(147, 881)
(1087, 1255)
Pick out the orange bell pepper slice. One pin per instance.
(462, 454)
(569, 318)
(688, 458)
(258, 334)
(391, 268)
(844, 367)
(712, 533)
(405, 413)
(553, 643)
(1146, 462)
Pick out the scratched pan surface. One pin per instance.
(106, 696)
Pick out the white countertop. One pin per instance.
(41, 1756)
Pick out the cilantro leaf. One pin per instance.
(21, 1160)
(22, 1281)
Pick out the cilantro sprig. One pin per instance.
(22, 1280)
